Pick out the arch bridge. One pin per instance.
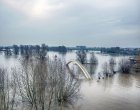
(83, 69)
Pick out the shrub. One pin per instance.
(124, 66)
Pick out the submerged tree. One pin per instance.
(64, 88)
(81, 56)
(3, 90)
(112, 63)
(124, 66)
(106, 70)
(8, 51)
(93, 59)
(31, 78)
(15, 49)
(7, 91)
(45, 84)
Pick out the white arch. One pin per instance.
(85, 72)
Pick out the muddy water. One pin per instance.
(120, 92)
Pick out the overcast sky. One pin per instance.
(70, 22)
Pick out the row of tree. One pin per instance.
(31, 49)
(82, 57)
(108, 67)
(123, 51)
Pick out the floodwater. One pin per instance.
(120, 92)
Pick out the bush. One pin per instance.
(93, 59)
(81, 56)
(112, 63)
(106, 70)
(124, 66)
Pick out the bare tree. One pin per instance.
(112, 63)
(7, 91)
(63, 88)
(93, 59)
(15, 49)
(81, 56)
(45, 84)
(106, 70)
(40, 78)
(26, 82)
(3, 90)
(124, 66)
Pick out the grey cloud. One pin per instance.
(86, 22)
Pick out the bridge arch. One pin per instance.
(84, 71)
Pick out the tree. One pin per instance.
(15, 49)
(7, 91)
(106, 71)
(124, 66)
(112, 63)
(81, 56)
(93, 59)
(64, 88)
(7, 51)
(45, 84)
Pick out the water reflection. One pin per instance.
(136, 77)
(91, 68)
(125, 80)
(107, 83)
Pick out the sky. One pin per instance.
(100, 23)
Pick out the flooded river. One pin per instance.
(120, 92)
